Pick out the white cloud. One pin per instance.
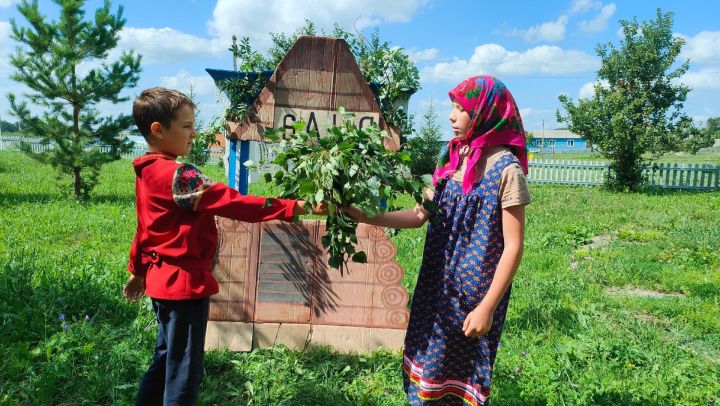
(587, 90)
(6, 47)
(256, 19)
(700, 119)
(202, 85)
(527, 112)
(7, 3)
(703, 48)
(495, 59)
(600, 22)
(550, 31)
(532, 114)
(423, 54)
(163, 45)
(582, 6)
(703, 79)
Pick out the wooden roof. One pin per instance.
(317, 74)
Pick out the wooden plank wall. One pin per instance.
(318, 73)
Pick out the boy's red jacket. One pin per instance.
(176, 238)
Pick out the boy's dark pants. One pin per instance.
(177, 368)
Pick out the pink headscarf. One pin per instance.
(494, 120)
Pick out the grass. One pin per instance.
(567, 341)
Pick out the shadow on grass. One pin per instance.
(320, 376)
(616, 398)
(536, 318)
(317, 376)
(125, 199)
(37, 297)
(42, 197)
(649, 191)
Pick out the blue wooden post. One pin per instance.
(243, 170)
(232, 164)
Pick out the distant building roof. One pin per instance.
(554, 134)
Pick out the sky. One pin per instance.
(540, 49)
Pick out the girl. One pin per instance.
(472, 250)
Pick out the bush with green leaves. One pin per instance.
(346, 167)
(637, 106)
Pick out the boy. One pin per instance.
(172, 255)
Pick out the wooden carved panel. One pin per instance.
(369, 294)
(277, 272)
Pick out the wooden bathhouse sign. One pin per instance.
(317, 76)
(275, 284)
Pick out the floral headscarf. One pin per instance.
(494, 120)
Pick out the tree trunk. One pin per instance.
(77, 182)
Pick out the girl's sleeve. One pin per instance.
(514, 190)
(194, 191)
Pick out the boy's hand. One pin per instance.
(319, 210)
(133, 288)
(478, 322)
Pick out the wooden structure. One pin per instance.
(276, 288)
(275, 284)
(317, 76)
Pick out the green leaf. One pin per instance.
(360, 257)
(334, 262)
(429, 206)
(427, 180)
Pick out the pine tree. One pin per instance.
(47, 61)
(425, 146)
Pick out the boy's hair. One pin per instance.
(157, 104)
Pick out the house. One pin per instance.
(551, 141)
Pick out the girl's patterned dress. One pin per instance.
(462, 250)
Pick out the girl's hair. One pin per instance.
(157, 104)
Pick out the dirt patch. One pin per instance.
(637, 292)
(649, 318)
(598, 241)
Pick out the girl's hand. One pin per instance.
(478, 322)
(354, 213)
(133, 288)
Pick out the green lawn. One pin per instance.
(633, 319)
